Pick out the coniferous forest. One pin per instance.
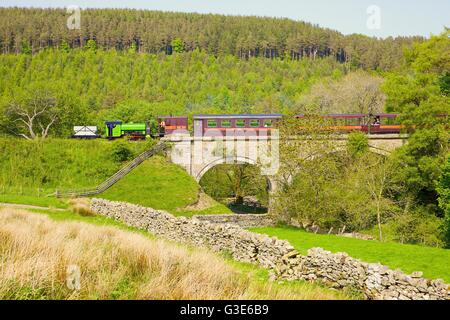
(143, 31)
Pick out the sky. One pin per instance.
(380, 18)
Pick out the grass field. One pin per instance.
(124, 264)
(56, 163)
(433, 262)
(218, 208)
(158, 184)
(30, 170)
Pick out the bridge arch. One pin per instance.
(223, 160)
(233, 160)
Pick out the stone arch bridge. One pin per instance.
(197, 155)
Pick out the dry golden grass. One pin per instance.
(81, 206)
(36, 252)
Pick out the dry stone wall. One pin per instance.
(242, 220)
(336, 270)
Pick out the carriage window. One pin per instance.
(226, 123)
(339, 121)
(389, 121)
(254, 123)
(240, 123)
(267, 123)
(212, 124)
(353, 121)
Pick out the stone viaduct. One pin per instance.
(197, 155)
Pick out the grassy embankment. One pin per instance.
(433, 262)
(161, 185)
(30, 170)
(123, 264)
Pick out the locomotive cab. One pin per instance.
(113, 129)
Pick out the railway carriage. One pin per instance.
(168, 125)
(380, 123)
(234, 124)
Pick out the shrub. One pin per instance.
(358, 143)
(82, 207)
(418, 227)
(121, 151)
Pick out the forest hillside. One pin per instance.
(144, 31)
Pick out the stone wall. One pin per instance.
(374, 280)
(335, 270)
(242, 220)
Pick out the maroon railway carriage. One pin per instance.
(234, 124)
(167, 125)
(380, 123)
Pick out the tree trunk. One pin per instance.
(379, 221)
(239, 199)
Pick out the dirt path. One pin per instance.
(27, 206)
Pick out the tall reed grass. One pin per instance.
(37, 255)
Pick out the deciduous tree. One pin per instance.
(33, 114)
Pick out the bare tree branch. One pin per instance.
(37, 110)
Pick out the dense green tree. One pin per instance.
(357, 144)
(444, 83)
(26, 48)
(177, 45)
(420, 164)
(432, 56)
(91, 45)
(418, 92)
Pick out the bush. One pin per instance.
(82, 207)
(358, 143)
(418, 227)
(121, 151)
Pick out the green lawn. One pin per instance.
(158, 184)
(433, 262)
(56, 164)
(215, 209)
